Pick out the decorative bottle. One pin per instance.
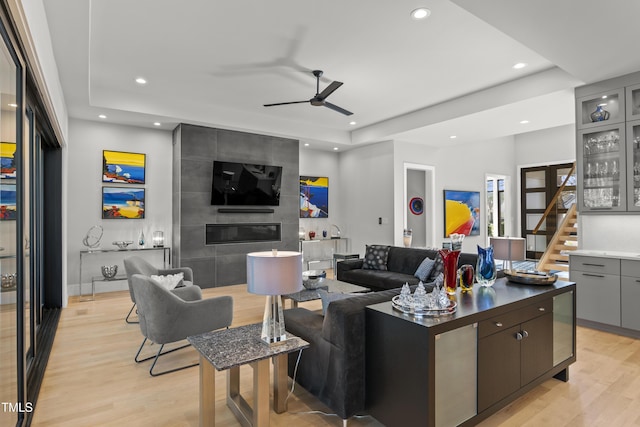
(485, 267)
(141, 239)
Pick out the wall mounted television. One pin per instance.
(245, 184)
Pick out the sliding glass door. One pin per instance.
(11, 386)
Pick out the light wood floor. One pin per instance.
(92, 380)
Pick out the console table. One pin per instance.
(228, 349)
(166, 257)
(320, 250)
(459, 369)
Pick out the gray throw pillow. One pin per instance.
(375, 257)
(438, 268)
(327, 297)
(424, 269)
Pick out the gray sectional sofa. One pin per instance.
(333, 367)
(402, 264)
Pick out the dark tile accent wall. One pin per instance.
(195, 149)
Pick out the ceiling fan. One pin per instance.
(320, 97)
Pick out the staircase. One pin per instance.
(556, 257)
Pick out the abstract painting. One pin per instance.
(122, 167)
(122, 203)
(7, 202)
(314, 197)
(461, 212)
(7, 160)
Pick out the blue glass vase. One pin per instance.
(485, 267)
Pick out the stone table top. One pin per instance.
(229, 348)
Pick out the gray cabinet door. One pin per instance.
(630, 288)
(597, 297)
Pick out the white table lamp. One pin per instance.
(274, 273)
(508, 249)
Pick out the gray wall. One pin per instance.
(195, 149)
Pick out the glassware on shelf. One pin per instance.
(600, 114)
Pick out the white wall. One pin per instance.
(458, 167)
(544, 147)
(84, 196)
(366, 194)
(323, 163)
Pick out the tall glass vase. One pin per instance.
(450, 261)
(485, 267)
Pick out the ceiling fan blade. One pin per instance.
(286, 103)
(338, 109)
(329, 90)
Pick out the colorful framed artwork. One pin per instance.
(314, 197)
(461, 212)
(7, 160)
(123, 168)
(122, 203)
(8, 202)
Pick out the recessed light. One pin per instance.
(102, 116)
(141, 80)
(453, 137)
(352, 123)
(519, 65)
(420, 13)
(13, 105)
(157, 123)
(524, 122)
(604, 96)
(335, 148)
(306, 144)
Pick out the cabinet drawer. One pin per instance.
(592, 264)
(515, 317)
(630, 268)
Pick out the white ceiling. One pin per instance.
(215, 62)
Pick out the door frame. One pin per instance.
(429, 173)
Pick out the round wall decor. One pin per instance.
(416, 205)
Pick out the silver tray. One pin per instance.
(530, 277)
(423, 312)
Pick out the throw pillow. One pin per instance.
(327, 297)
(375, 257)
(438, 267)
(424, 269)
(170, 281)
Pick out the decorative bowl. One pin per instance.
(313, 279)
(109, 271)
(121, 244)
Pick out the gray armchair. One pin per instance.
(166, 318)
(136, 265)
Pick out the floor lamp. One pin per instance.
(508, 249)
(274, 273)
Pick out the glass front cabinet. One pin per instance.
(608, 146)
(633, 166)
(602, 169)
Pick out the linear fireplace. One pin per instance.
(242, 233)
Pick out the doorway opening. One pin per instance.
(419, 204)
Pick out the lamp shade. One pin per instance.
(274, 272)
(508, 248)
